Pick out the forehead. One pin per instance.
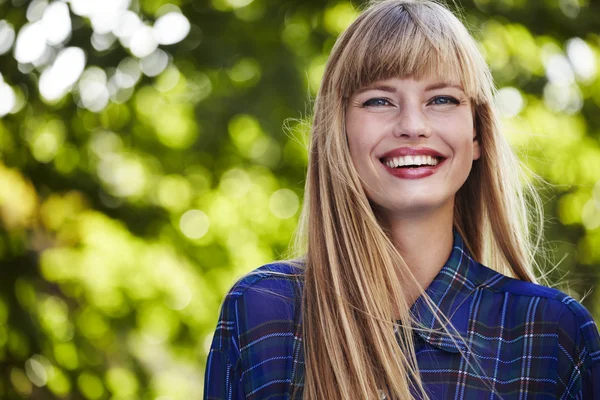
(412, 40)
(424, 84)
(431, 68)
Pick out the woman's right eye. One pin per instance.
(376, 102)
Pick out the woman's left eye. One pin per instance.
(441, 100)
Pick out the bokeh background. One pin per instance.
(153, 151)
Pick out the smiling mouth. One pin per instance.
(411, 161)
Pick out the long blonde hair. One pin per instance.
(352, 294)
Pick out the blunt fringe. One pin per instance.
(352, 295)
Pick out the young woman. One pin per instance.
(410, 187)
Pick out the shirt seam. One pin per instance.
(235, 366)
(579, 364)
(240, 287)
(558, 297)
(588, 362)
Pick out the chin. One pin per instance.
(416, 205)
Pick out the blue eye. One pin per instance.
(442, 100)
(376, 102)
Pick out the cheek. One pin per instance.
(361, 146)
(463, 136)
(466, 151)
(356, 146)
(358, 138)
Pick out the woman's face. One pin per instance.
(412, 143)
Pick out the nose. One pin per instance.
(411, 122)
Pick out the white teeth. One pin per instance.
(411, 160)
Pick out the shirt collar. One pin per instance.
(452, 292)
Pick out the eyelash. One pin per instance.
(370, 102)
(448, 99)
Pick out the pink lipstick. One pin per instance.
(412, 162)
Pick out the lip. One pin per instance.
(412, 151)
(412, 173)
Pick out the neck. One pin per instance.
(425, 242)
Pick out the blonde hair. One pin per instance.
(352, 293)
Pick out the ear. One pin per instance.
(476, 147)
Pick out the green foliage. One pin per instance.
(165, 167)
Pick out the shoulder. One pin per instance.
(257, 335)
(535, 303)
(516, 289)
(269, 293)
(280, 279)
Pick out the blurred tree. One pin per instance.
(153, 151)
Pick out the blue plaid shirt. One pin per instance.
(525, 341)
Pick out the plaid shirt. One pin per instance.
(524, 341)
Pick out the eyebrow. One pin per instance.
(383, 88)
(442, 85)
(391, 89)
